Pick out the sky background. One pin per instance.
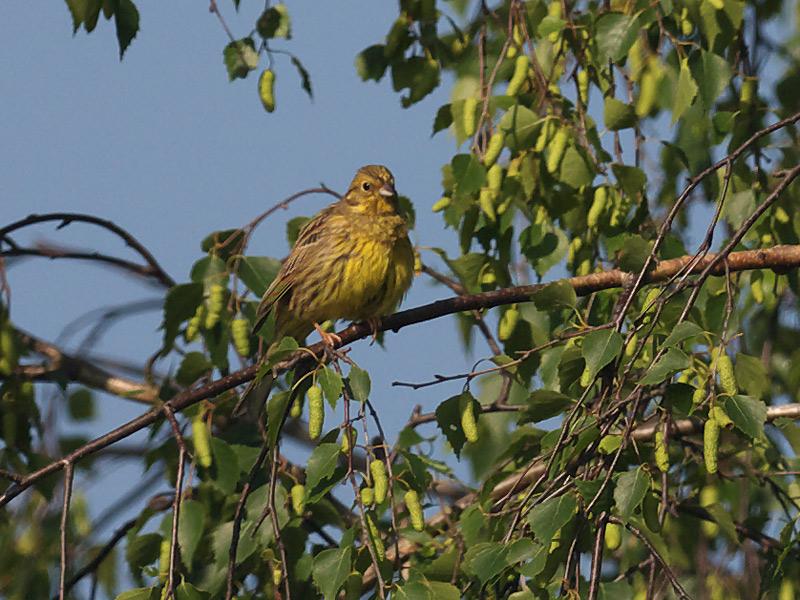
(163, 145)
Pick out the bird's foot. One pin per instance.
(374, 323)
(331, 340)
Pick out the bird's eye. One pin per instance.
(366, 186)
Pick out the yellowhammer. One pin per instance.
(353, 261)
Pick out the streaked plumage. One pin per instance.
(352, 261)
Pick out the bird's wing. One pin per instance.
(306, 244)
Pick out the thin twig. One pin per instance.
(176, 503)
(68, 475)
(239, 514)
(679, 590)
(68, 218)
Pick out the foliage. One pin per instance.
(575, 125)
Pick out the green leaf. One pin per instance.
(193, 366)
(738, 207)
(221, 541)
(618, 115)
(359, 383)
(151, 593)
(551, 515)
(468, 174)
(615, 33)
(331, 383)
(77, 8)
(633, 253)
(448, 418)
(305, 78)
(600, 348)
(240, 58)
(575, 170)
(443, 120)
(521, 126)
(209, 270)
(186, 591)
(558, 294)
(538, 561)
(371, 63)
(550, 25)
(629, 491)
(544, 404)
(224, 243)
(330, 570)
(142, 550)
(486, 560)
(321, 465)
(81, 405)
(276, 410)
(722, 516)
(683, 331)
(748, 414)
(674, 360)
(418, 74)
(751, 375)
(422, 589)
(190, 529)
(632, 179)
(180, 305)
(126, 20)
(274, 23)
(712, 74)
(685, 92)
(225, 466)
(257, 272)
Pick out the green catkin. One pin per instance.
(493, 148)
(202, 441)
(240, 332)
(266, 89)
(468, 421)
(379, 480)
(414, 510)
(711, 444)
(298, 493)
(316, 412)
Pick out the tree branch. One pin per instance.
(65, 366)
(780, 258)
(155, 269)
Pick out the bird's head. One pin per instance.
(372, 191)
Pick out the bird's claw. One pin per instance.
(331, 340)
(373, 323)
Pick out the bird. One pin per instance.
(352, 261)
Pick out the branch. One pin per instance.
(65, 366)
(780, 258)
(159, 503)
(53, 252)
(155, 269)
(679, 590)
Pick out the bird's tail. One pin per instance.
(254, 398)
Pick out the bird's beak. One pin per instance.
(387, 190)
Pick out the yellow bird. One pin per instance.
(352, 261)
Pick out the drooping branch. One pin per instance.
(153, 268)
(779, 258)
(64, 366)
(53, 252)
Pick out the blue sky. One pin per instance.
(163, 145)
